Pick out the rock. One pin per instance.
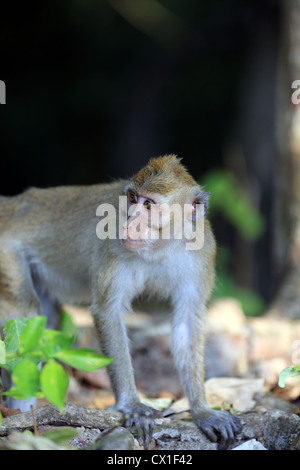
(275, 429)
(252, 347)
(85, 437)
(74, 415)
(273, 337)
(115, 439)
(281, 430)
(180, 435)
(271, 402)
(157, 403)
(227, 315)
(240, 393)
(98, 378)
(177, 407)
(226, 349)
(253, 444)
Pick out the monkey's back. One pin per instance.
(53, 231)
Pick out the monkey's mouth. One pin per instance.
(133, 244)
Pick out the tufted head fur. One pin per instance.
(162, 175)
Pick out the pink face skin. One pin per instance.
(136, 231)
(146, 216)
(133, 244)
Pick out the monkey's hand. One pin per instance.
(218, 425)
(141, 417)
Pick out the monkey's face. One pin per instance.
(154, 219)
(143, 222)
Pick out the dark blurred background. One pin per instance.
(97, 87)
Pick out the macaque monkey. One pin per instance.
(50, 253)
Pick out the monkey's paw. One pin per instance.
(141, 417)
(218, 425)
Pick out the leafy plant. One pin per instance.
(228, 198)
(251, 303)
(286, 373)
(28, 343)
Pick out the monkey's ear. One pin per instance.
(198, 210)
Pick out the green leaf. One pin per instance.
(83, 359)
(13, 329)
(26, 380)
(31, 334)
(15, 393)
(252, 303)
(286, 373)
(54, 382)
(228, 197)
(67, 326)
(2, 352)
(61, 436)
(53, 341)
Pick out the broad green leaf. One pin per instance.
(286, 373)
(31, 334)
(13, 329)
(15, 393)
(26, 380)
(11, 362)
(53, 341)
(2, 352)
(67, 326)
(83, 359)
(54, 382)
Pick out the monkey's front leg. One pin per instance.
(114, 343)
(188, 348)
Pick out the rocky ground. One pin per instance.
(243, 360)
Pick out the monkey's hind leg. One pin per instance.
(51, 307)
(17, 299)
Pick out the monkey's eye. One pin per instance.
(196, 201)
(132, 198)
(147, 204)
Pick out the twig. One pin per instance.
(34, 421)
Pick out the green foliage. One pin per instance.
(28, 343)
(61, 436)
(25, 375)
(251, 303)
(286, 373)
(228, 198)
(54, 383)
(83, 359)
